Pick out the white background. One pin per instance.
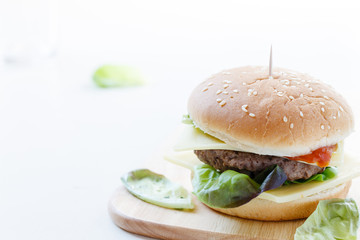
(64, 143)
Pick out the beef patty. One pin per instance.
(239, 161)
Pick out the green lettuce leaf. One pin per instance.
(117, 76)
(232, 189)
(332, 219)
(157, 189)
(187, 120)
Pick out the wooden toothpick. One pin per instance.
(270, 64)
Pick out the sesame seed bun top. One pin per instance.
(290, 114)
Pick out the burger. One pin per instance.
(270, 147)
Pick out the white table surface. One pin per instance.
(64, 143)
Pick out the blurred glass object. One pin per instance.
(28, 30)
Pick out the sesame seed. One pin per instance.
(255, 93)
(210, 84)
(244, 108)
(310, 89)
(222, 103)
(307, 85)
(323, 90)
(301, 95)
(227, 81)
(291, 97)
(322, 103)
(219, 100)
(218, 92)
(250, 90)
(334, 117)
(275, 90)
(326, 97)
(285, 119)
(341, 108)
(226, 86)
(205, 89)
(322, 127)
(244, 83)
(235, 91)
(251, 115)
(291, 125)
(338, 114)
(301, 114)
(285, 81)
(280, 94)
(322, 109)
(225, 92)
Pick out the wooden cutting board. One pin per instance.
(133, 215)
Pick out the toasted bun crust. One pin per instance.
(289, 115)
(265, 210)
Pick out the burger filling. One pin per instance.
(251, 163)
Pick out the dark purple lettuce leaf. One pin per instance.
(231, 189)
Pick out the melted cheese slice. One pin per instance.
(347, 171)
(191, 138)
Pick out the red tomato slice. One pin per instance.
(320, 156)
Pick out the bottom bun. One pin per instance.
(266, 210)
